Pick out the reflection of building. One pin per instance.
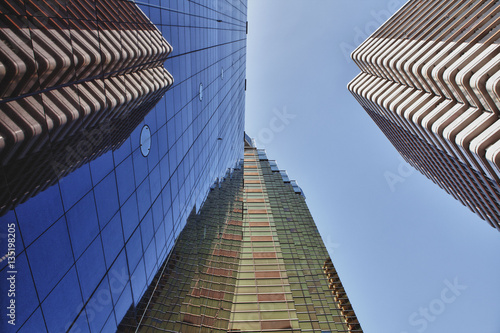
(251, 260)
(88, 246)
(76, 81)
(431, 81)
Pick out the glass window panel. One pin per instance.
(245, 298)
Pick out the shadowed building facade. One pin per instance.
(102, 155)
(431, 81)
(251, 260)
(76, 78)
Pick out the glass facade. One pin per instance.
(76, 80)
(251, 260)
(89, 244)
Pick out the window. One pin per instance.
(145, 140)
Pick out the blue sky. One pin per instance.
(411, 257)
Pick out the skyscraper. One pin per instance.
(89, 241)
(431, 81)
(251, 260)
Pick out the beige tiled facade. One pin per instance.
(431, 81)
(251, 260)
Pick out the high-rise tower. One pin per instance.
(251, 260)
(431, 81)
(133, 159)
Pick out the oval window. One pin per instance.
(145, 140)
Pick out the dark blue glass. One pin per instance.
(124, 302)
(134, 249)
(150, 260)
(138, 281)
(119, 279)
(147, 229)
(37, 214)
(101, 167)
(24, 294)
(34, 324)
(91, 267)
(153, 157)
(121, 153)
(155, 182)
(125, 210)
(83, 224)
(110, 324)
(50, 257)
(99, 309)
(130, 216)
(106, 198)
(75, 185)
(112, 239)
(82, 324)
(63, 303)
(144, 197)
(125, 179)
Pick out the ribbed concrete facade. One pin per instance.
(76, 78)
(431, 81)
